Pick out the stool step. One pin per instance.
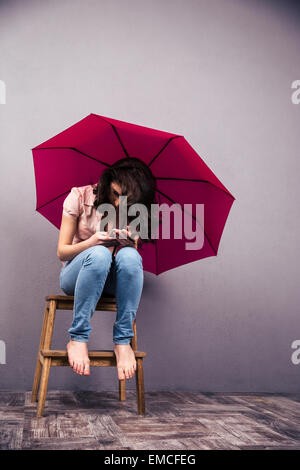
(92, 354)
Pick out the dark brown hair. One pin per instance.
(137, 183)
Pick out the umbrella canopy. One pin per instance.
(78, 155)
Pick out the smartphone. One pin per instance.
(112, 232)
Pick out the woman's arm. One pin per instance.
(65, 250)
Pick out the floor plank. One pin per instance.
(179, 420)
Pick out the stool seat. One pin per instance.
(48, 357)
(71, 297)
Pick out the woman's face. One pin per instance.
(115, 192)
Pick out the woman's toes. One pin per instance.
(86, 368)
(121, 373)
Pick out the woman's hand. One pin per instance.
(135, 237)
(99, 237)
(127, 233)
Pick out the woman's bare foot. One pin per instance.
(78, 357)
(126, 362)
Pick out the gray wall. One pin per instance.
(218, 72)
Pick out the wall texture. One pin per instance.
(217, 72)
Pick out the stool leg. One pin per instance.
(122, 390)
(43, 387)
(133, 341)
(38, 367)
(139, 377)
(50, 325)
(47, 360)
(139, 374)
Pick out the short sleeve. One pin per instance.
(71, 204)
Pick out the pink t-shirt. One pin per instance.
(79, 205)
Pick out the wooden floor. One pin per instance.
(174, 420)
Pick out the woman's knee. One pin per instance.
(65, 286)
(129, 259)
(99, 256)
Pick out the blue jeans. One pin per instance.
(96, 270)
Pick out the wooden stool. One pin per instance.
(47, 357)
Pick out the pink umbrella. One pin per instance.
(78, 155)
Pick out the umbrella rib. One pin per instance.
(119, 139)
(76, 150)
(115, 131)
(194, 180)
(206, 236)
(163, 148)
(51, 200)
(125, 151)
